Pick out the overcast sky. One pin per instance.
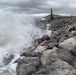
(39, 7)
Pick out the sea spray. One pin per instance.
(16, 32)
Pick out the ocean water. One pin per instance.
(16, 33)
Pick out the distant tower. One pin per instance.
(51, 14)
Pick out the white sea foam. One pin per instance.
(16, 32)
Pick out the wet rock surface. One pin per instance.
(58, 57)
(8, 59)
(6, 72)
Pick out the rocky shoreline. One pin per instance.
(58, 57)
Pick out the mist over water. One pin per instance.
(16, 32)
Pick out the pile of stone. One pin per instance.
(58, 57)
(55, 55)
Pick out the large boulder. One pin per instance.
(64, 55)
(61, 68)
(27, 65)
(25, 69)
(58, 67)
(68, 44)
(49, 56)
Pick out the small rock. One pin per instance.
(52, 44)
(28, 51)
(38, 51)
(19, 61)
(70, 34)
(6, 72)
(34, 60)
(54, 34)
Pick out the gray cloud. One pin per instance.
(39, 6)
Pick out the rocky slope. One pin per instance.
(58, 57)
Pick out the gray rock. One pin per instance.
(27, 52)
(6, 72)
(54, 34)
(61, 68)
(64, 55)
(26, 60)
(61, 39)
(70, 34)
(49, 56)
(7, 59)
(57, 68)
(19, 61)
(68, 44)
(27, 65)
(34, 60)
(42, 72)
(52, 44)
(73, 62)
(39, 50)
(25, 69)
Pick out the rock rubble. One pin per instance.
(58, 57)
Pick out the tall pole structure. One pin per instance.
(51, 14)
